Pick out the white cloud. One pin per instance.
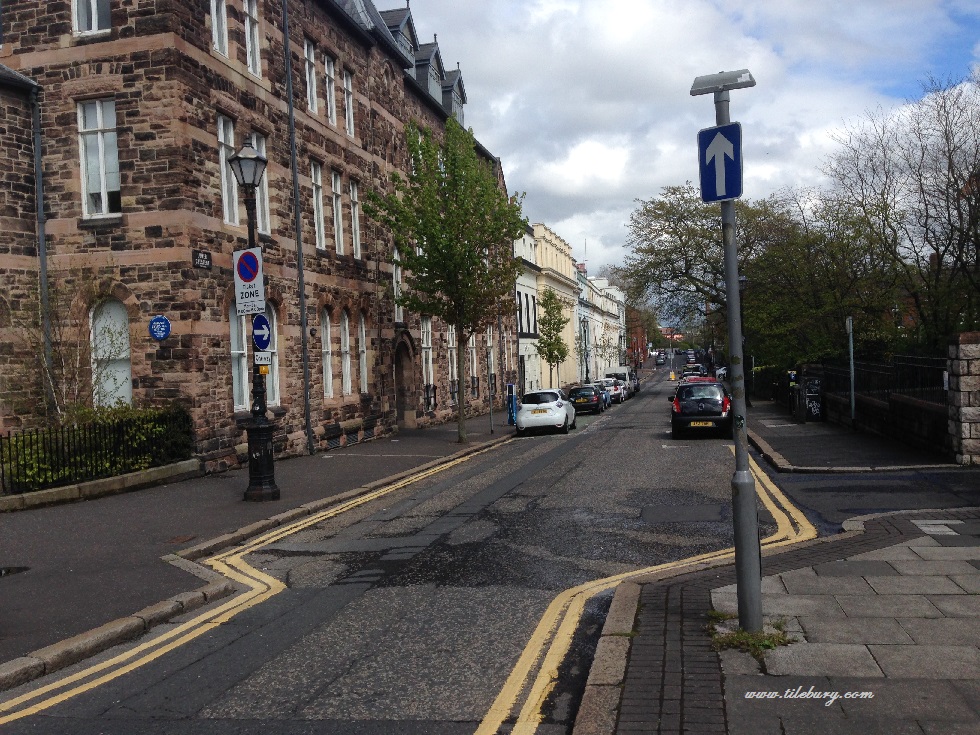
(587, 103)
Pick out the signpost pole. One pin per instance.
(748, 552)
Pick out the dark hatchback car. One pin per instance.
(701, 406)
(587, 398)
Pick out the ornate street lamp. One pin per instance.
(248, 166)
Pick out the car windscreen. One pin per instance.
(700, 393)
(582, 392)
(536, 398)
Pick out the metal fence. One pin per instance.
(924, 378)
(48, 458)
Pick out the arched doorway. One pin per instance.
(406, 398)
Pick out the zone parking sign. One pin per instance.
(249, 282)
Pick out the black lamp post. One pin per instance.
(248, 166)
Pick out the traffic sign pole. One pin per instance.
(745, 513)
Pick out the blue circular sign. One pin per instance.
(159, 328)
(261, 332)
(248, 266)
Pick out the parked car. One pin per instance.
(721, 373)
(660, 359)
(700, 405)
(545, 409)
(691, 370)
(604, 390)
(587, 398)
(618, 391)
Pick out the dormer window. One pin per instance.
(435, 82)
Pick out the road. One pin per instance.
(409, 613)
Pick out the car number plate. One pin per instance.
(581, 400)
(540, 410)
(702, 423)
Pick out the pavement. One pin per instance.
(884, 612)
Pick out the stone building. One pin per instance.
(137, 108)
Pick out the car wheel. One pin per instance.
(520, 431)
(564, 427)
(574, 421)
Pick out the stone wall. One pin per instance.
(964, 398)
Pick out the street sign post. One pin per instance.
(720, 162)
(719, 147)
(249, 281)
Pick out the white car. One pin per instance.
(545, 409)
(721, 373)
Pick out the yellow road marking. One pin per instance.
(231, 564)
(553, 635)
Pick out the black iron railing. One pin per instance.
(48, 458)
(924, 378)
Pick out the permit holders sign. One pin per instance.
(249, 282)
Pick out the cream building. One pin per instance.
(558, 272)
(528, 362)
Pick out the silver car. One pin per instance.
(545, 409)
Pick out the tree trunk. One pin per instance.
(462, 385)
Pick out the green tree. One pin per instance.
(453, 227)
(551, 347)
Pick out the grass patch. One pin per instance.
(725, 635)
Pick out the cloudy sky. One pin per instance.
(587, 102)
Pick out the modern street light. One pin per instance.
(745, 513)
(248, 166)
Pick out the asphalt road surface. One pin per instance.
(407, 614)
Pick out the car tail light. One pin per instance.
(677, 404)
(726, 405)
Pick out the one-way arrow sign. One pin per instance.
(720, 162)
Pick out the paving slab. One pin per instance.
(904, 698)
(888, 606)
(855, 630)
(928, 662)
(969, 582)
(957, 606)
(817, 585)
(855, 569)
(782, 604)
(822, 659)
(947, 568)
(941, 631)
(901, 552)
(949, 553)
(915, 585)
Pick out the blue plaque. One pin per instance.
(159, 328)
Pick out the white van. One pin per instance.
(628, 376)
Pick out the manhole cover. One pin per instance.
(7, 571)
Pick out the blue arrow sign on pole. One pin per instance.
(720, 162)
(261, 332)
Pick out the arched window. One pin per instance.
(362, 362)
(326, 353)
(345, 353)
(112, 376)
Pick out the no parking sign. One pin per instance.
(249, 281)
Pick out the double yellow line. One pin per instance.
(259, 587)
(553, 636)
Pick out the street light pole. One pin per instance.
(248, 166)
(748, 552)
